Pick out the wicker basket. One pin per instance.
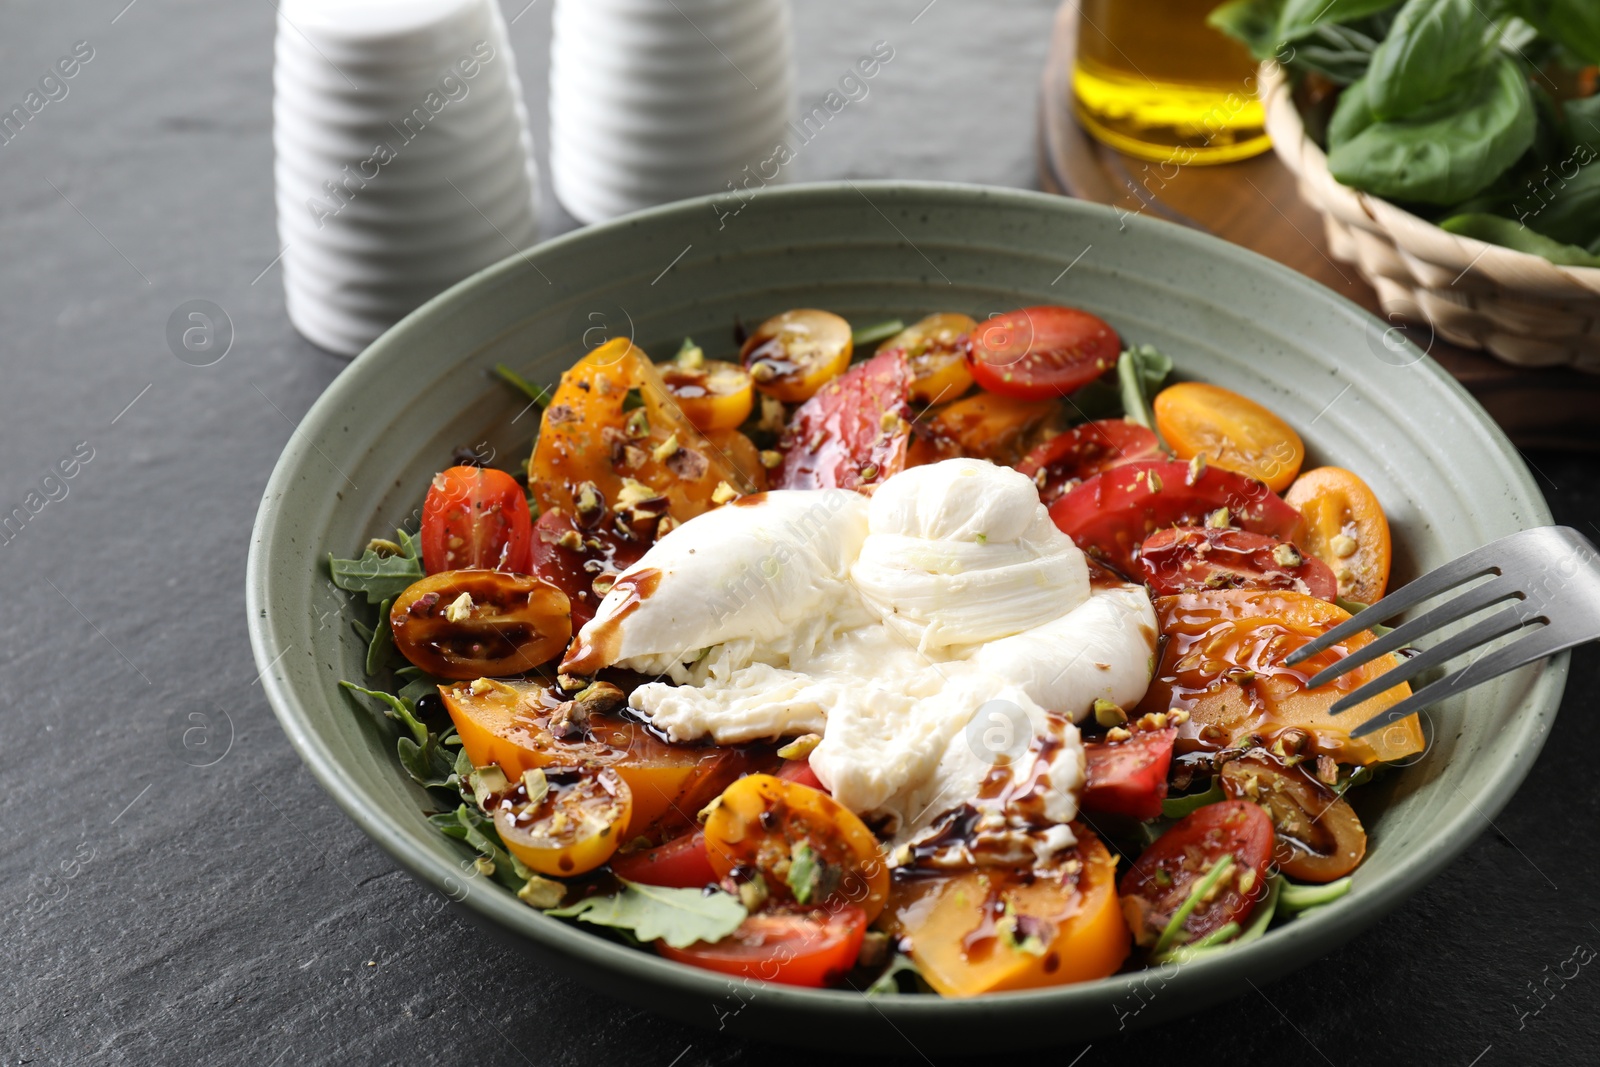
(1522, 308)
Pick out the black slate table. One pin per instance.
(197, 899)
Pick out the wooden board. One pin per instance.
(1254, 203)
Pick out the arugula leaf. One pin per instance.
(469, 824)
(1504, 232)
(1300, 17)
(540, 396)
(1179, 806)
(382, 642)
(881, 331)
(1429, 55)
(1440, 156)
(419, 686)
(430, 764)
(400, 711)
(805, 871)
(888, 983)
(680, 917)
(381, 577)
(1140, 372)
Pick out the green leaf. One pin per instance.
(1219, 870)
(1430, 55)
(1223, 939)
(539, 395)
(871, 335)
(1253, 22)
(1508, 234)
(1297, 898)
(1339, 53)
(1442, 156)
(430, 764)
(888, 983)
(1574, 24)
(1566, 209)
(382, 643)
(1140, 373)
(393, 708)
(680, 917)
(1300, 17)
(476, 829)
(418, 687)
(1178, 807)
(1583, 122)
(1354, 607)
(381, 577)
(805, 871)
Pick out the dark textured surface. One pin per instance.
(159, 912)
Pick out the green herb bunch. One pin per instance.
(1478, 115)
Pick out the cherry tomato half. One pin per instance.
(714, 395)
(999, 429)
(1195, 557)
(480, 624)
(808, 847)
(1346, 529)
(476, 517)
(936, 351)
(853, 433)
(794, 354)
(1129, 777)
(1231, 431)
(1159, 882)
(814, 947)
(1113, 512)
(680, 863)
(573, 827)
(583, 563)
(1085, 451)
(1319, 837)
(799, 770)
(1038, 353)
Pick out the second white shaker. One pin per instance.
(657, 100)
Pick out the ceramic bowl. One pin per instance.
(358, 464)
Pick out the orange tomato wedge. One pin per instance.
(1346, 529)
(992, 929)
(1231, 431)
(1223, 664)
(985, 426)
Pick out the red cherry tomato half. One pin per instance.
(573, 559)
(1042, 352)
(795, 947)
(680, 863)
(1193, 557)
(1129, 777)
(1158, 883)
(799, 770)
(1112, 513)
(853, 433)
(476, 518)
(1085, 451)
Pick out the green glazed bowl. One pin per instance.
(358, 465)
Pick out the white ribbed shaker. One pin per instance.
(657, 100)
(403, 161)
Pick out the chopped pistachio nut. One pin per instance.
(666, 526)
(569, 539)
(1153, 720)
(537, 785)
(800, 747)
(460, 609)
(771, 458)
(638, 424)
(869, 472)
(1285, 556)
(1197, 467)
(1343, 546)
(601, 697)
(662, 452)
(1155, 482)
(480, 686)
(1219, 519)
(634, 493)
(1108, 714)
(572, 683)
(487, 782)
(982, 538)
(705, 813)
(874, 949)
(382, 546)
(588, 499)
(603, 583)
(484, 866)
(763, 371)
(1327, 770)
(773, 415)
(889, 421)
(1177, 716)
(542, 892)
(753, 894)
(724, 493)
(1247, 880)
(1117, 733)
(690, 356)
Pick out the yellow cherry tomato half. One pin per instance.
(1346, 529)
(569, 823)
(792, 355)
(1231, 431)
(480, 623)
(936, 353)
(715, 395)
(809, 848)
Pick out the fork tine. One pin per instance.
(1494, 626)
(1546, 641)
(1475, 599)
(1474, 564)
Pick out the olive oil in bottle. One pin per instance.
(1154, 81)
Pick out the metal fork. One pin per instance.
(1551, 574)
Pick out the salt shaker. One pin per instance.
(657, 100)
(403, 161)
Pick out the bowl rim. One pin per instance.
(1266, 958)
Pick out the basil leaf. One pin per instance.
(1428, 55)
(1254, 22)
(380, 577)
(1575, 24)
(1565, 209)
(1509, 234)
(1339, 53)
(1300, 17)
(680, 917)
(1444, 155)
